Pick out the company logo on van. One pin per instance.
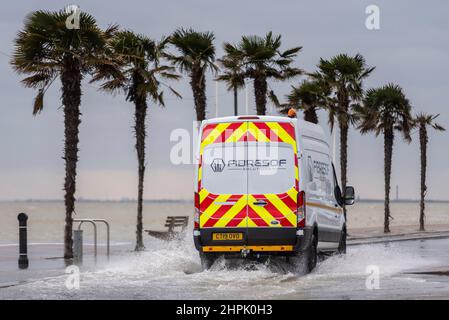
(276, 163)
(217, 165)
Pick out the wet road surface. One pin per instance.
(172, 271)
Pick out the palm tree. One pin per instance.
(45, 50)
(385, 110)
(422, 121)
(140, 78)
(234, 76)
(261, 61)
(308, 96)
(343, 76)
(197, 54)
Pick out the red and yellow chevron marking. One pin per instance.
(228, 210)
(200, 172)
(279, 207)
(228, 132)
(224, 210)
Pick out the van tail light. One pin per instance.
(301, 203)
(196, 215)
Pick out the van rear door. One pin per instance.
(222, 188)
(248, 180)
(272, 183)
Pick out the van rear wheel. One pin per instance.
(207, 260)
(306, 260)
(312, 254)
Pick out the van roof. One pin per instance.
(248, 117)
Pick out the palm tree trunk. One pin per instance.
(198, 84)
(423, 143)
(140, 132)
(260, 93)
(388, 150)
(71, 99)
(310, 115)
(236, 110)
(343, 159)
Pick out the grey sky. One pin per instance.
(411, 49)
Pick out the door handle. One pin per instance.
(260, 203)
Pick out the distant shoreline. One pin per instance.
(191, 200)
(400, 201)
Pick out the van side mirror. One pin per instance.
(349, 196)
(338, 196)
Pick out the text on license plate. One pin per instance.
(227, 236)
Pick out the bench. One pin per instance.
(172, 222)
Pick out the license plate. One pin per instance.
(230, 236)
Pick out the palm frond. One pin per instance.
(385, 108)
(38, 104)
(44, 45)
(424, 119)
(195, 48)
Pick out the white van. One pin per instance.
(266, 186)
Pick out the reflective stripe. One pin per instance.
(258, 134)
(203, 194)
(213, 135)
(261, 212)
(208, 212)
(237, 134)
(234, 209)
(323, 206)
(282, 208)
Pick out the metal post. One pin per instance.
(23, 246)
(78, 245)
(81, 221)
(107, 233)
(93, 222)
(246, 97)
(334, 144)
(216, 99)
(236, 108)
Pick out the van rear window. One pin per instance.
(219, 174)
(259, 168)
(275, 172)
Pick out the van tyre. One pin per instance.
(207, 260)
(342, 243)
(312, 254)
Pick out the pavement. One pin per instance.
(46, 260)
(358, 236)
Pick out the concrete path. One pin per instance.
(357, 236)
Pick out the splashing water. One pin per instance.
(172, 270)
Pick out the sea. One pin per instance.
(46, 218)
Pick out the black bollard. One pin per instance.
(23, 246)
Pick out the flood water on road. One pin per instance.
(172, 271)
